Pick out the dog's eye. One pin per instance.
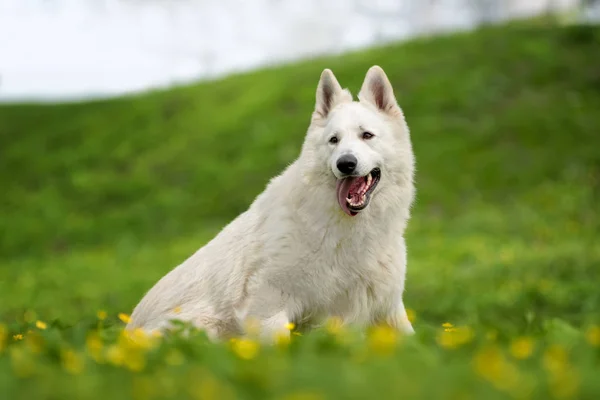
(333, 140)
(367, 135)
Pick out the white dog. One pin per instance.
(325, 238)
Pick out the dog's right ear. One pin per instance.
(329, 94)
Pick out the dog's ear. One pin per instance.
(329, 94)
(378, 91)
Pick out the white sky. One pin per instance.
(61, 49)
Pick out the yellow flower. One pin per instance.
(18, 336)
(334, 325)
(115, 355)
(245, 349)
(447, 325)
(124, 317)
(555, 358)
(138, 338)
(564, 385)
(563, 379)
(522, 348)
(41, 325)
(101, 314)
(72, 362)
(383, 339)
(452, 338)
(490, 364)
(94, 346)
(592, 335)
(135, 361)
(177, 310)
(290, 326)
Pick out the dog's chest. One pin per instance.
(338, 273)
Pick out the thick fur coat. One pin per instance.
(297, 255)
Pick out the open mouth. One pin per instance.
(354, 192)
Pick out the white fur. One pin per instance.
(294, 255)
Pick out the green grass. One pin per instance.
(100, 199)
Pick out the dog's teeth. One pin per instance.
(369, 179)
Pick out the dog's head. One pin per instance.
(365, 144)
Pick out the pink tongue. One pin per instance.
(343, 188)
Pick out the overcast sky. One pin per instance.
(60, 49)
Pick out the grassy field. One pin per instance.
(100, 199)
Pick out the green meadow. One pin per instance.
(100, 199)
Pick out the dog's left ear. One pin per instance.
(378, 91)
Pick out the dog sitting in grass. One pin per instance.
(324, 239)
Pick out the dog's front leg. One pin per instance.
(398, 319)
(266, 314)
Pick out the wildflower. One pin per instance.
(290, 326)
(137, 339)
(448, 327)
(563, 379)
(592, 335)
(135, 361)
(334, 325)
(245, 349)
(41, 325)
(177, 310)
(72, 362)
(555, 358)
(383, 339)
(101, 314)
(115, 355)
(18, 336)
(522, 348)
(94, 346)
(490, 364)
(283, 339)
(452, 338)
(124, 317)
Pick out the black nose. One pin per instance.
(346, 163)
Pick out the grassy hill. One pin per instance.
(100, 199)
